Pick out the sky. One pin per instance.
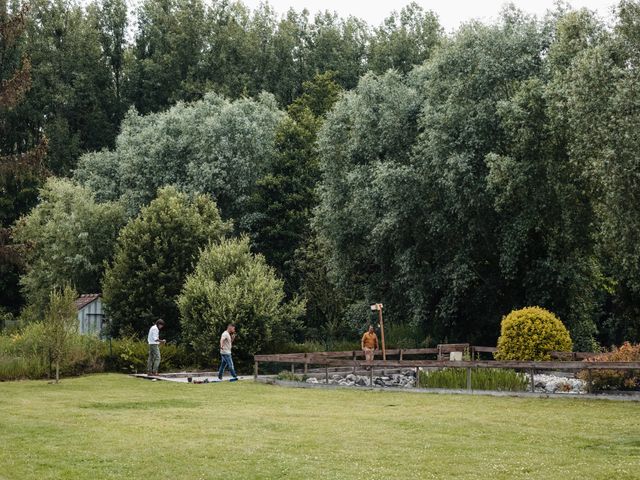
(450, 12)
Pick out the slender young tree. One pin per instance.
(60, 324)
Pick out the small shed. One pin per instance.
(90, 314)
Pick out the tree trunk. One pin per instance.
(57, 371)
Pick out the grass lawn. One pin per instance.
(113, 426)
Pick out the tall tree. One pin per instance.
(70, 237)
(211, 146)
(111, 21)
(599, 101)
(72, 98)
(368, 189)
(21, 162)
(285, 196)
(404, 39)
(155, 252)
(168, 46)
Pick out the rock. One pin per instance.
(362, 381)
(351, 377)
(312, 380)
(545, 383)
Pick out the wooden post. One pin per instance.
(293, 369)
(306, 364)
(371, 376)
(255, 371)
(354, 362)
(400, 354)
(589, 382)
(533, 383)
(469, 379)
(384, 352)
(326, 374)
(417, 377)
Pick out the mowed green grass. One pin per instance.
(113, 426)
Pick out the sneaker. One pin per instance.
(234, 379)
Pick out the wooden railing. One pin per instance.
(353, 359)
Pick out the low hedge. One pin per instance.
(615, 379)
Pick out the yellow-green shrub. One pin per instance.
(531, 333)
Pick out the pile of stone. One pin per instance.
(404, 379)
(557, 384)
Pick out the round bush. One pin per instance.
(232, 285)
(532, 333)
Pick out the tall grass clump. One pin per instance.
(25, 354)
(481, 379)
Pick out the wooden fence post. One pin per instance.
(326, 374)
(293, 369)
(589, 381)
(468, 379)
(371, 376)
(354, 362)
(306, 363)
(255, 371)
(533, 383)
(417, 377)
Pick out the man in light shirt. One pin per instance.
(226, 342)
(153, 339)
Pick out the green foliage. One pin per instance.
(287, 376)
(404, 39)
(21, 162)
(70, 237)
(403, 336)
(500, 172)
(615, 379)
(212, 146)
(532, 333)
(129, 354)
(367, 194)
(60, 322)
(155, 252)
(73, 98)
(26, 353)
(232, 285)
(285, 197)
(324, 319)
(495, 379)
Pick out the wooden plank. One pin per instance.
(420, 351)
(453, 347)
(343, 354)
(485, 349)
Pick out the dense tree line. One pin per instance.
(451, 177)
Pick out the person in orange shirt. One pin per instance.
(369, 343)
